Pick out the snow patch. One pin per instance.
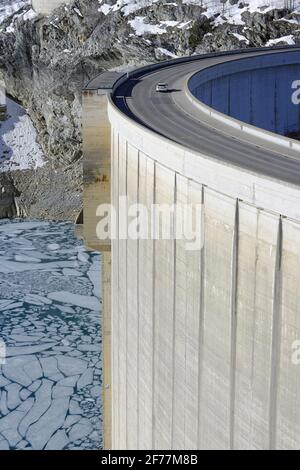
(78, 12)
(141, 28)
(165, 52)
(287, 39)
(240, 37)
(19, 149)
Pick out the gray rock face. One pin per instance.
(8, 202)
(49, 192)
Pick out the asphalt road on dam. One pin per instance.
(174, 116)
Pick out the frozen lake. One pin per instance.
(19, 149)
(50, 307)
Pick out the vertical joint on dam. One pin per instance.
(234, 300)
(276, 338)
(201, 314)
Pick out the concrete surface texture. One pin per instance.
(45, 7)
(97, 187)
(257, 91)
(202, 341)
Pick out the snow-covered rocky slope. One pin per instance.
(46, 61)
(9, 7)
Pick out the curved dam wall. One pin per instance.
(45, 7)
(202, 341)
(260, 91)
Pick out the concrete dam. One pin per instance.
(260, 91)
(201, 347)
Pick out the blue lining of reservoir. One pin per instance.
(256, 90)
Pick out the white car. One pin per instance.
(161, 87)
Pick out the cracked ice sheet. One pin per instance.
(90, 302)
(50, 323)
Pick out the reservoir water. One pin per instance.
(50, 333)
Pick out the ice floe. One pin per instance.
(19, 149)
(90, 302)
(50, 307)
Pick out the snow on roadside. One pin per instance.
(19, 149)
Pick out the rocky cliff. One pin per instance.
(45, 61)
